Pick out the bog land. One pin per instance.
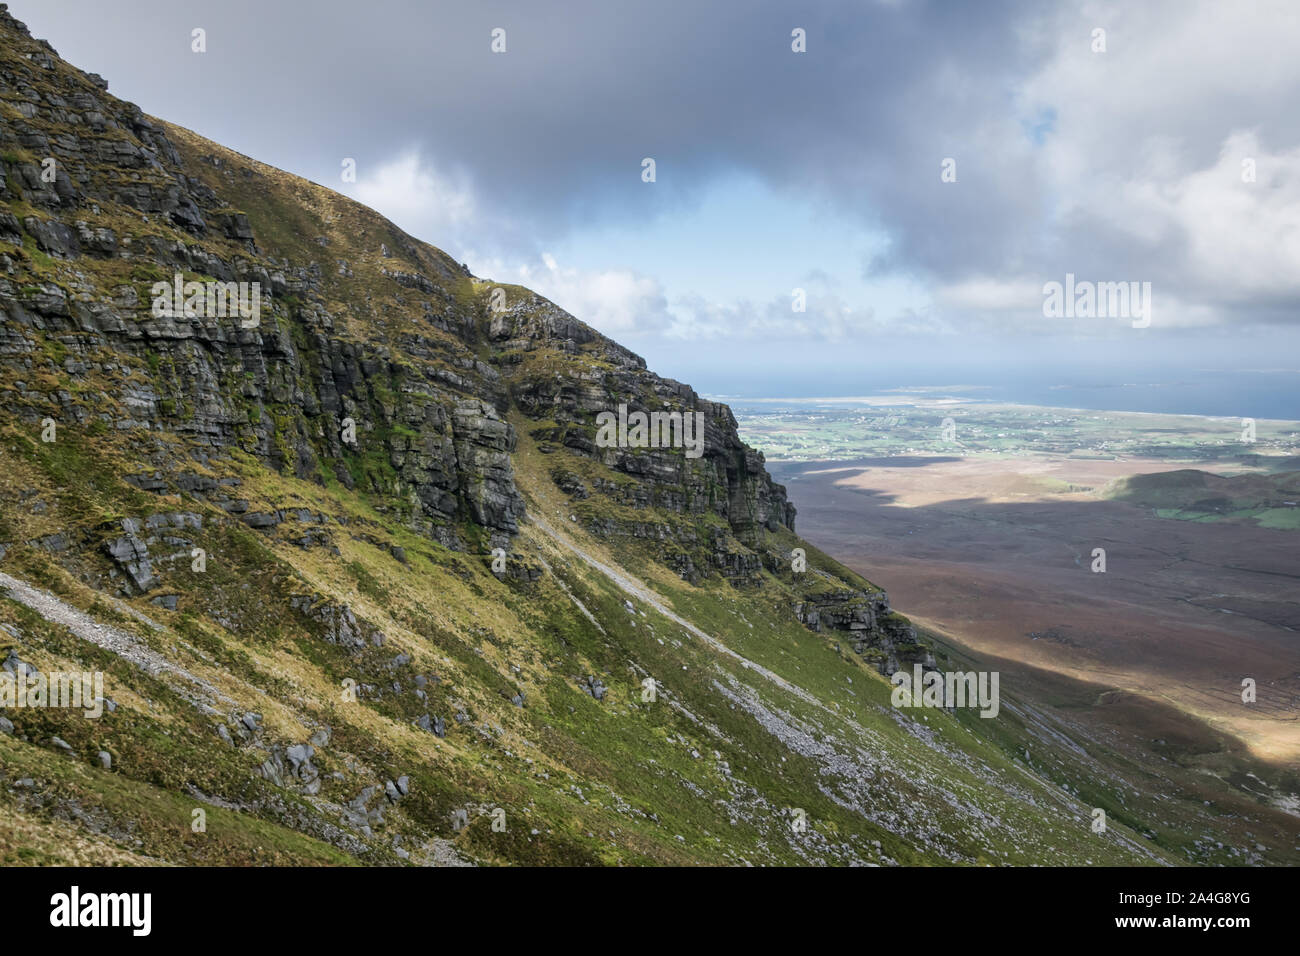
(984, 523)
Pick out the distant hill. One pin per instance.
(1271, 501)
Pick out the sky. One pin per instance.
(919, 171)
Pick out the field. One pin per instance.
(990, 537)
(842, 429)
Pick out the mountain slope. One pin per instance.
(278, 545)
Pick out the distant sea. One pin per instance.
(1273, 393)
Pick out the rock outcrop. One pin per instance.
(864, 621)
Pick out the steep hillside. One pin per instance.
(364, 587)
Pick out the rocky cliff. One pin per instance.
(363, 333)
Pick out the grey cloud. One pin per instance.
(1049, 140)
(555, 129)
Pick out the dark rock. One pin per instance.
(132, 555)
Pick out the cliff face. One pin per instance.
(359, 323)
(110, 206)
(727, 481)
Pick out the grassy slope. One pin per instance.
(573, 769)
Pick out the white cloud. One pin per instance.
(1242, 240)
(624, 304)
(988, 293)
(613, 301)
(1144, 158)
(425, 202)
